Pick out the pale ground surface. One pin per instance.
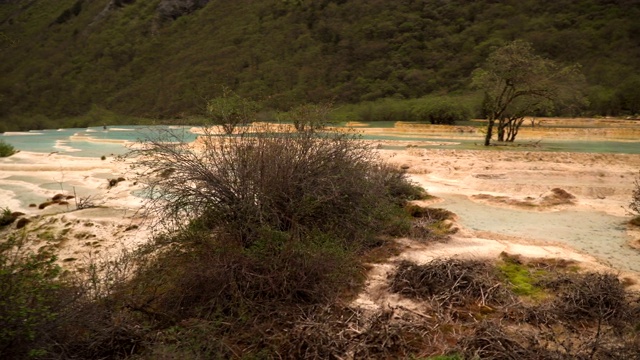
(78, 236)
(599, 182)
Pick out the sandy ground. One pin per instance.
(511, 179)
(503, 178)
(77, 236)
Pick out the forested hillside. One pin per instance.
(163, 58)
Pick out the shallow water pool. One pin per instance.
(596, 233)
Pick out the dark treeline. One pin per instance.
(163, 59)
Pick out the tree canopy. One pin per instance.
(517, 82)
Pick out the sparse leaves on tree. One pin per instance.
(309, 117)
(518, 82)
(231, 110)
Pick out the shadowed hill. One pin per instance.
(162, 58)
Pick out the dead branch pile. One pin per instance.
(352, 333)
(491, 341)
(589, 296)
(449, 281)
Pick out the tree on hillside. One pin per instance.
(517, 82)
(231, 110)
(309, 117)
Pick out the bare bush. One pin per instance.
(449, 281)
(288, 181)
(491, 340)
(634, 205)
(590, 296)
(339, 333)
(430, 224)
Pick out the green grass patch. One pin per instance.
(522, 279)
(6, 150)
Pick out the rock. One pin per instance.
(173, 9)
(22, 223)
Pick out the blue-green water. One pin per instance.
(475, 142)
(96, 141)
(596, 233)
(89, 142)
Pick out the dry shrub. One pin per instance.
(209, 278)
(591, 317)
(430, 224)
(99, 331)
(265, 224)
(491, 340)
(338, 333)
(634, 204)
(288, 181)
(45, 204)
(589, 296)
(449, 281)
(22, 223)
(434, 214)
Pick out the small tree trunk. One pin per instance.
(503, 123)
(487, 139)
(514, 127)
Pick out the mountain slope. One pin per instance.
(161, 58)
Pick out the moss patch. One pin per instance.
(522, 279)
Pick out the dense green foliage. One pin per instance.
(390, 109)
(6, 149)
(230, 110)
(442, 112)
(60, 58)
(29, 295)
